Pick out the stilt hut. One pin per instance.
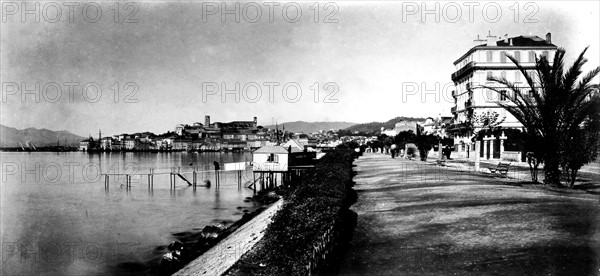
(270, 165)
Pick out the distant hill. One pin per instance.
(10, 137)
(375, 127)
(308, 127)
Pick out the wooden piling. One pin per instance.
(194, 178)
(254, 182)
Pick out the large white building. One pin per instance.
(399, 127)
(471, 98)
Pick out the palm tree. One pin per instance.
(558, 105)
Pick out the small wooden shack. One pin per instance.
(270, 159)
(277, 164)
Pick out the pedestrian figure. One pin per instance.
(448, 151)
(217, 168)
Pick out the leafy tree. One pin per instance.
(558, 105)
(581, 147)
(404, 137)
(375, 145)
(385, 140)
(424, 142)
(486, 121)
(348, 145)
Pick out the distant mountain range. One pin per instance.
(372, 127)
(11, 137)
(375, 127)
(309, 127)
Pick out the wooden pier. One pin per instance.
(261, 179)
(174, 173)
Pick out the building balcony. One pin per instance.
(463, 71)
(472, 66)
(459, 128)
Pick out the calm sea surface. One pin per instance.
(57, 218)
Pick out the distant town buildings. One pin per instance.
(209, 136)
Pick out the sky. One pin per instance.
(158, 64)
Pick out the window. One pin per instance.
(503, 56)
(518, 55)
(518, 76)
(503, 95)
(271, 157)
(489, 56)
(531, 56)
(490, 95)
(530, 93)
(503, 74)
(490, 74)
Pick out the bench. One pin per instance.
(500, 169)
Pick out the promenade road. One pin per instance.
(416, 218)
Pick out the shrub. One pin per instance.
(318, 203)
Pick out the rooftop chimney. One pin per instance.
(491, 40)
(506, 38)
(207, 121)
(549, 37)
(478, 41)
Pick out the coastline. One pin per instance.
(223, 255)
(190, 245)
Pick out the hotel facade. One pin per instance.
(473, 100)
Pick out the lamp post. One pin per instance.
(477, 161)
